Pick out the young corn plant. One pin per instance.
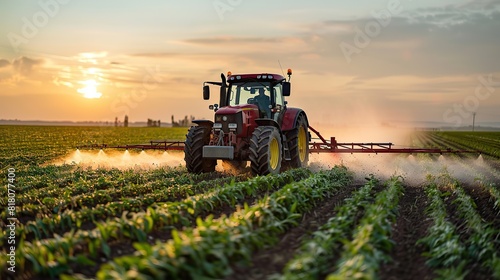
(480, 245)
(207, 250)
(371, 241)
(315, 255)
(495, 194)
(445, 252)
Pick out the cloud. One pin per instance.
(4, 63)
(21, 71)
(480, 4)
(232, 39)
(155, 54)
(457, 14)
(91, 57)
(25, 65)
(431, 42)
(440, 43)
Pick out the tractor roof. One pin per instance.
(246, 77)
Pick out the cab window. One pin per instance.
(278, 95)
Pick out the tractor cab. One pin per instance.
(265, 93)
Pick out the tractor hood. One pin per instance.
(240, 116)
(230, 110)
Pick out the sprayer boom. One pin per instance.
(332, 146)
(153, 145)
(318, 144)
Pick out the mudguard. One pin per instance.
(205, 123)
(290, 118)
(267, 122)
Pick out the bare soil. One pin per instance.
(411, 225)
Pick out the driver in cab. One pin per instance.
(263, 101)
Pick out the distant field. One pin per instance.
(486, 142)
(20, 145)
(365, 219)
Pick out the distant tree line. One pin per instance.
(185, 122)
(153, 123)
(118, 123)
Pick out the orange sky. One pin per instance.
(372, 61)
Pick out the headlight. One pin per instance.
(232, 126)
(217, 125)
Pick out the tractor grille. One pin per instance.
(233, 118)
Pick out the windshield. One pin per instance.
(246, 93)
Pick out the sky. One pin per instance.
(365, 61)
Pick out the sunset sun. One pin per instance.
(89, 89)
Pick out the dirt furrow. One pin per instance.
(411, 225)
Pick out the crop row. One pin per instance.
(77, 185)
(479, 169)
(480, 244)
(46, 225)
(314, 257)
(442, 142)
(136, 226)
(447, 251)
(227, 239)
(71, 212)
(50, 205)
(443, 242)
(371, 241)
(47, 206)
(495, 194)
(472, 141)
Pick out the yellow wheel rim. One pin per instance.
(302, 143)
(274, 153)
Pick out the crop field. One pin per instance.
(71, 214)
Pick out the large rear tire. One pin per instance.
(298, 144)
(197, 137)
(265, 151)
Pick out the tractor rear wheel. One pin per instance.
(265, 151)
(197, 137)
(298, 144)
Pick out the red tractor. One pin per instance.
(252, 123)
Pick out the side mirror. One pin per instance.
(286, 88)
(223, 90)
(223, 93)
(206, 92)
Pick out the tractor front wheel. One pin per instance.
(265, 151)
(197, 137)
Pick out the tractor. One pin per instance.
(252, 123)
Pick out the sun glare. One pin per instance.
(89, 89)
